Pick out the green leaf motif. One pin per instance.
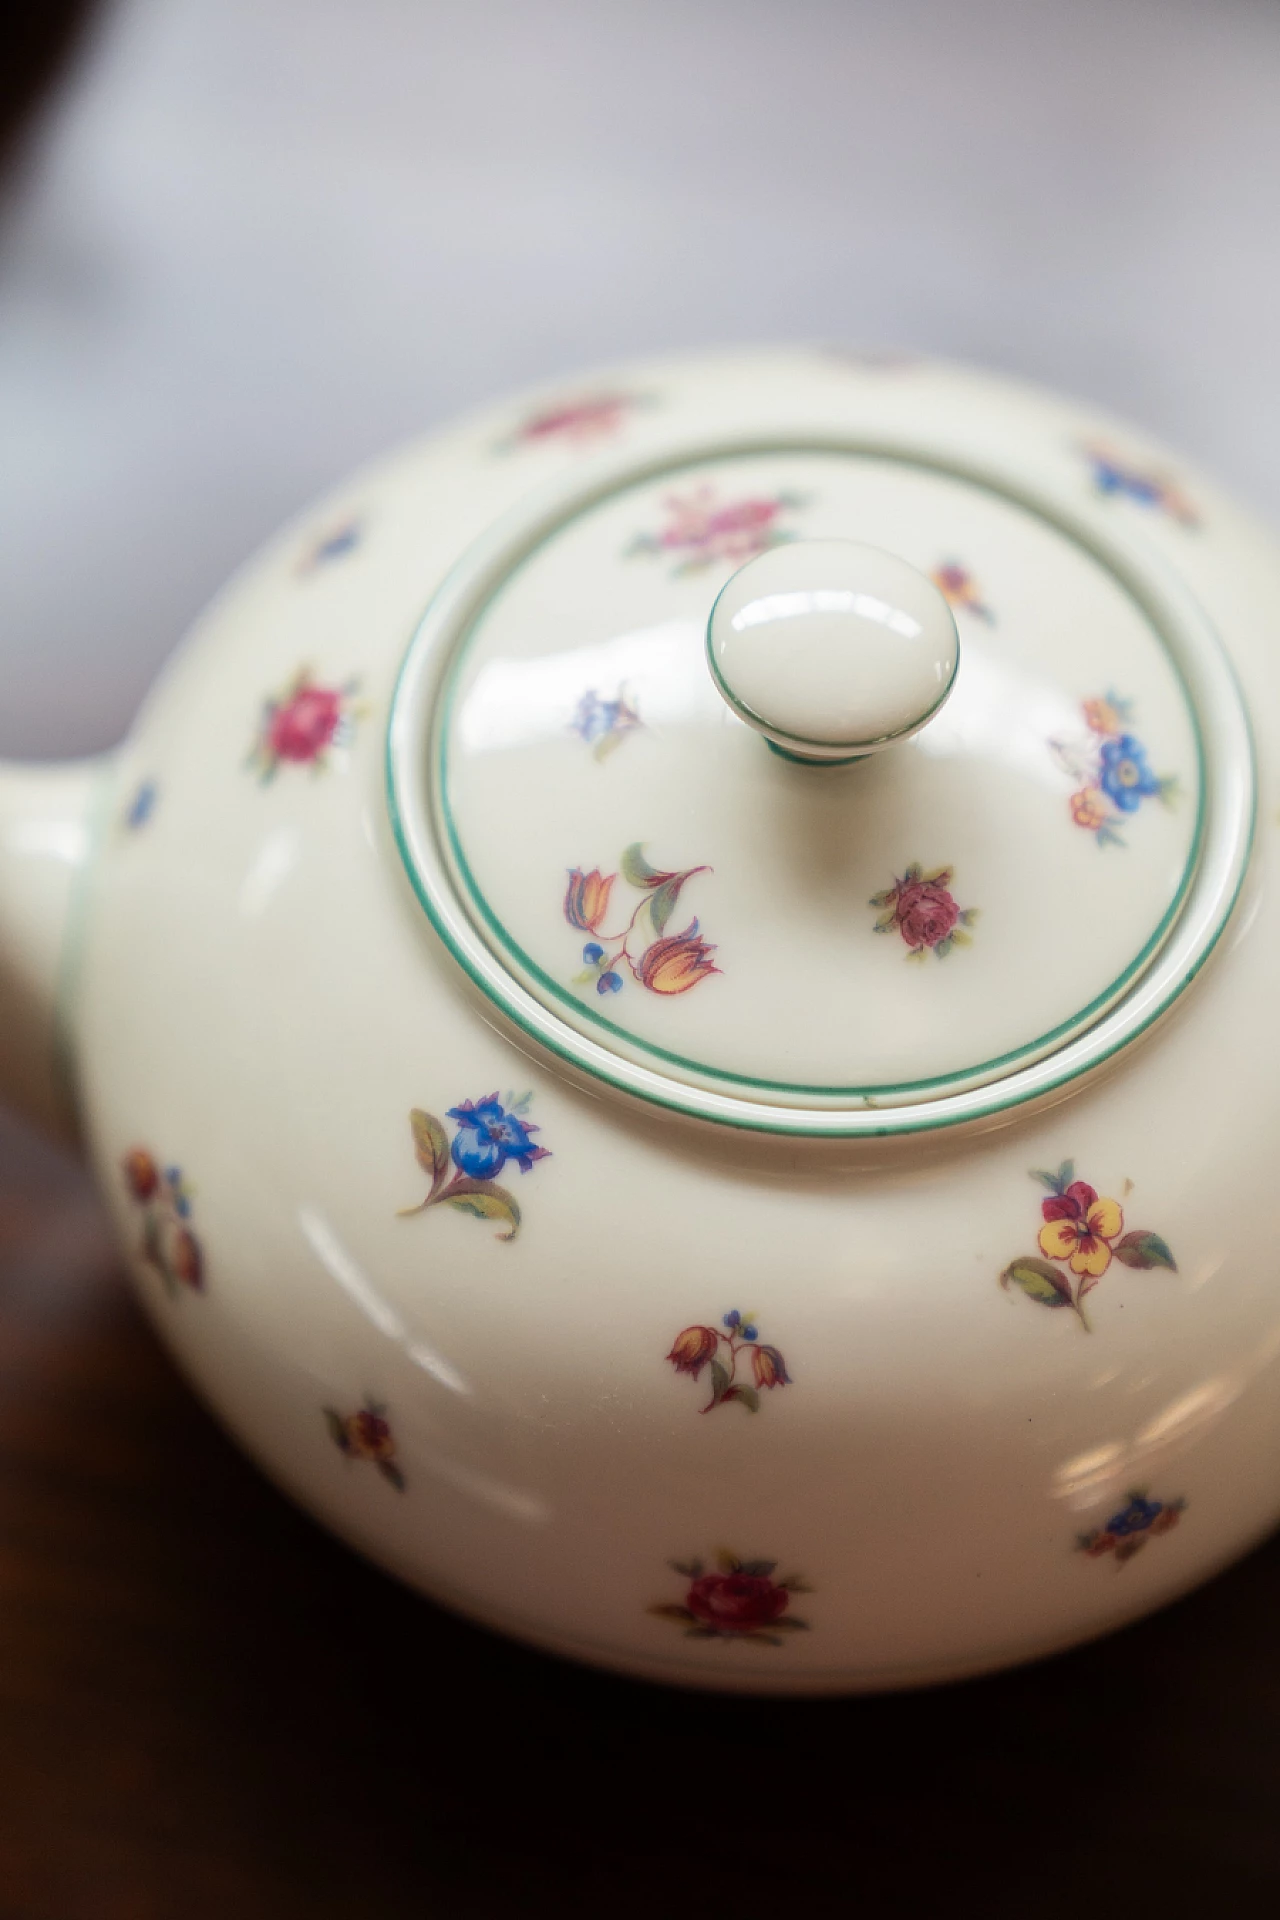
(487, 1201)
(664, 1611)
(719, 1382)
(1056, 1182)
(759, 1569)
(788, 1624)
(390, 1471)
(1039, 1281)
(749, 1398)
(689, 1568)
(1145, 1250)
(635, 868)
(662, 902)
(337, 1428)
(430, 1146)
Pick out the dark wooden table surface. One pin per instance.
(207, 1708)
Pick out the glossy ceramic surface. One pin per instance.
(496, 1267)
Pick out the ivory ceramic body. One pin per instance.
(751, 1225)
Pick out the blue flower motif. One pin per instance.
(1135, 1518)
(591, 719)
(178, 1194)
(733, 1319)
(609, 983)
(592, 952)
(751, 1333)
(142, 806)
(488, 1136)
(1125, 778)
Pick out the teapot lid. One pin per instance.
(822, 779)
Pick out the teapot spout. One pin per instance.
(46, 819)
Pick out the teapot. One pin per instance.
(672, 997)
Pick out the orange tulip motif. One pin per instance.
(1082, 1233)
(642, 948)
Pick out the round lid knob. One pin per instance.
(831, 649)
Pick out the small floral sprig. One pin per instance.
(1082, 1233)
(339, 541)
(605, 724)
(489, 1132)
(740, 1601)
(366, 1435)
(1115, 477)
(576, 423)
(302, 725)
(702, 529)
(1128, 1531)
(1111, 769)
(169, 1246)
(697, 1347)
(960, 590)
(662, 963)
(923, 910)
(142, 804)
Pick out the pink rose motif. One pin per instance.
(741, 1601)
(304, 725)
(925, 912)
(701, 529)
(299, 726)
(737, 1602)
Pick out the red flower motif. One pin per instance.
(736, 1602)
(304, 724)
(185, 1260)
(369, 1435)
(924, 911)
(692, 1349)
(142, 1176)
(675, 964)
(586, 899)
(578, 420)
(1101, 1543)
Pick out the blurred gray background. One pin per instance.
(251, 242)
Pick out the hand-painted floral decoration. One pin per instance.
(576, 423)
(605, 724)
(142, 805)
(702, 529)
(662, 962)
(366, 1435)
(697, 1347)
(872, 359)
(1082, 1234)
(922, 909)
(1110, 768)
(339, 540)
(960, 590)
(741, 1601)
(169, 1247)
(1117, 477)
(489, 1132)
(1128, 1531)
(302, 725)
